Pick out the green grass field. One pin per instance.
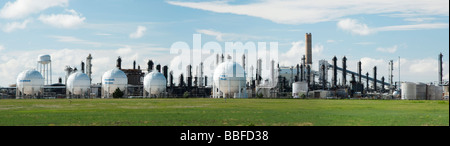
(215, 112)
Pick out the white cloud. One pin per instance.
(293, 56)
(75, 40)
(392, 49)
(124, 51)
(63, 20)
(413, 27)
(139, 32)
(364, 43)
(355, 27)
(419, 19)
(304, 11)
(2, 48)
(424, 66)
(221, 36)
(10, 27)
(103, 34)
(331, 41)
(218, 35)
(23, 8)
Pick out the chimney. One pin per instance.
(308, 48)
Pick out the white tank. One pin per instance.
(30, 82)
(409, 91)
(44, 59)
(299, 87)
(113, 79)
(155, 83)
(438, 93)
(228, 77)
(421, 91)
(78, 83)
(431, 91)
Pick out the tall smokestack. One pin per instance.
(158, 68)
(243, 61)
(308, 74)
(334, 72)
(89, 66)
(324, 82)
(308, 48)
(375, 78)
(367, 79)
(297, 76)
(119, 63)
(165, 69)
(134, 64)
(171, 79)
(82, 66)
(359, 72)
(302, 73)
(391, 75)
(150, 66)
(440, 69)
(217, 59)
(344, 71)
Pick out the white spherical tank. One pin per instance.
(155, 83)
(229, 77)
(30, 82)
(409, 91)
(113, 79)
(78, 83)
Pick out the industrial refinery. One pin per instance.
(230, 79)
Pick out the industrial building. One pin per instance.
(229, 80)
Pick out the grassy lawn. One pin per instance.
(215, 112)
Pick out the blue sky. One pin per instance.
(371, 31)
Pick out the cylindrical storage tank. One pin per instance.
(409, 91)
(78, 83)
(438, 93)
(229, 77)
(29, 82)
(113, 79)
(421, 91)
(299, 87)
(431, 92)
(155, 82)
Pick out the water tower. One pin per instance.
(44, 66)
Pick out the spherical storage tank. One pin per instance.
(30, 82)
(113, 79)
(155, 83)
(409, 91)
(78, 83)
(229, 77)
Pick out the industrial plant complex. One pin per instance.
(230, 80)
